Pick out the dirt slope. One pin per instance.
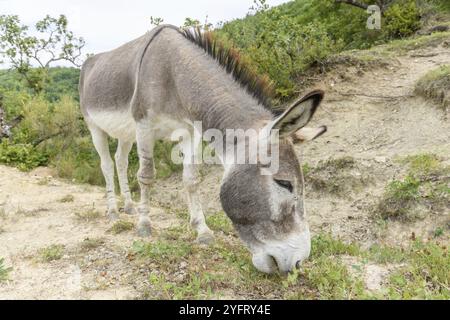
(372, 116)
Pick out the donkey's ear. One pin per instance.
(298, 114)
(308, 134)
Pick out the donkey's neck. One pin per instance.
(210, 95)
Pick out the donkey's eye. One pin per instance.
(285, 184)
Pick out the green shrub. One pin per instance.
(44, 121)
(401, 19)
(23, 156)
(281, 45)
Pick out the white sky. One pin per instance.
(107, 24)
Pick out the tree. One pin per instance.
(54, 42)
(194, 23)
(156, 21)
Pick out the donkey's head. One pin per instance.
(267, 210)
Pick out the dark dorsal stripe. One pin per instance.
(260, 87)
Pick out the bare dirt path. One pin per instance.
(373, 117)
(36, 214)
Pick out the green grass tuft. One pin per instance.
(163, 251)
(426, 185)
(121, 227)
(220, 222)
(51, 253)
(325, 245)
(66, 199)
(88, 215)
(4, 271)
(91, 243)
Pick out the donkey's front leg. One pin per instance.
(191, 182)
(145, 143)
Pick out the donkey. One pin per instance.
(166, 80)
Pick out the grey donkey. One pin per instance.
(166, 80)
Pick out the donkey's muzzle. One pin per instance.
(283, 256)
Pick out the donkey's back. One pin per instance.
(107, 79)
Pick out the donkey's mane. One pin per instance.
(260, 87)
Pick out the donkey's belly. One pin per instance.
(119, 125)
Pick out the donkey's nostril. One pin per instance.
(298, 264)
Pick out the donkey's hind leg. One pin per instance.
(123, 150)
(145, 143)
(191, 182)
(100, 140)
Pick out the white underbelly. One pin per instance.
(121, 125)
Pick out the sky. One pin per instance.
(107, 24)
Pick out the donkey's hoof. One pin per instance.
(113, 215)
(144, 228)
(130, 209)
(205, 238)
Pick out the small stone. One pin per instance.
(381, 159)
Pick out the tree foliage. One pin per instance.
(53, 42)
(287, 40)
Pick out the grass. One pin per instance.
(121, 227)
(183, 270)
(326, 245)
(4, 271)
(44, 181)
(51, 253)
(306, 168)
(220, 222)
(91, 243)
(331, 279)
(423, 163)
(66, 199)
(399, 199)
(439, 232)
(424, 186)
(435, 85)
(382, 254)
(426, 275)
(88, 215)
(380, 55)
(162, 251)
